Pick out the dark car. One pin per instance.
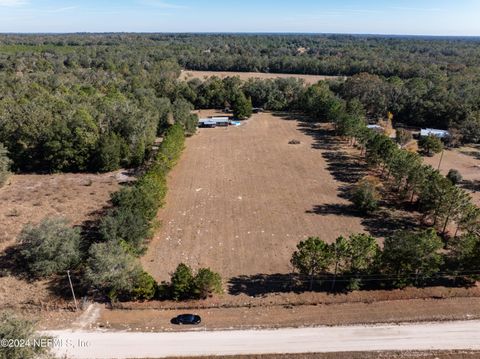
(190, 319)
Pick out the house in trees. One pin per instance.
(442, 134)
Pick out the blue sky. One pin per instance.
(420, 17)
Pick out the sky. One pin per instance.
(402, 17)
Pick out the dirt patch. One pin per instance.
(30, 198)
(241, 198)
(203, 75)
(467, 161)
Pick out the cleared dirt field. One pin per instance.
(202, 75)
(30, 198)
(241, 198)
(467, 161)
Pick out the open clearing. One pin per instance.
(202, 75)
(467, 161)
(241, 198)
(31, 198)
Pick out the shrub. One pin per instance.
(454, 176)
(16, 328)
(112, 270)
(50, 247)
(365, 196)
(4, 165)
(181, 282)
(145, 287)
(403, 136)
(126, 225)
(206, 283)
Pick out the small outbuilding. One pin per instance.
(442, 134)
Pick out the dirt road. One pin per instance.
(427, 336)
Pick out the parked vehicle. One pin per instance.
(188, 319)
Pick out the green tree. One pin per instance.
(50, 247)
(365, 196)
(13, 327)
(465, 253)
(111, 269)
(126, 225)
(312, 258)
(144, 288)
(360, 255)
(182, 114)
(206, 282)
(182, 282)
(411, 258)
(4, 165)
(241, 106)
(108, 155)
(431, 145)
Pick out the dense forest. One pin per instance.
(89, 102)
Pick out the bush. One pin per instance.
(50, 247)
(182, 282)
(126, 225)
(16, 328)
(144, 288)
(112, 270)
(206, 283)
(4, 165)
(454, 176)
(431, 145)
(403, 137)
(365, 196)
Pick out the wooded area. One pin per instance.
(98, 102)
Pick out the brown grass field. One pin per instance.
(467, 161)
(31, 198)
(241, 198)
(202, 75)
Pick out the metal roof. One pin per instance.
(425, 132)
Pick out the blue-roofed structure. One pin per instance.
(425, 132)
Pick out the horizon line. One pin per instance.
(233, 33)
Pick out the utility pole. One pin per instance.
(73, 293)
(441, 158)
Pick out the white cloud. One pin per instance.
(62, 9)
(13, 3)
(161, 4)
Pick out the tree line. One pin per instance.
(110, 264)
(407, 258)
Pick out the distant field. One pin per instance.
(309, 79)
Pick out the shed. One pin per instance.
(425, 132)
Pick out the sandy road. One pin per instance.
(426, 336)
